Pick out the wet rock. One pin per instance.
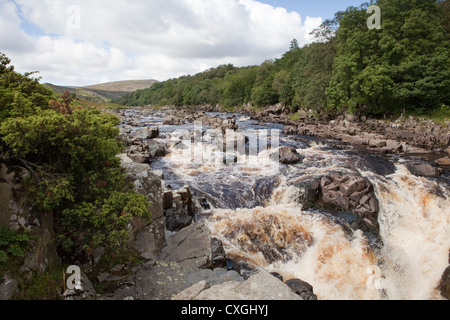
(180, 145)
(229, 159)
(445, 161)
(422, 169)
(309, 192)
(155, 149)
(302, 288)
(444, 285)
(288, 155)
(219, 256)
(343, 192)
(377, 165)
(277, 275)
(153, 133)
(241, 267)
(172, 120)
(180, 209)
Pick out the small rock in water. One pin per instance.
(277, 275)
(302, 288)
(288, 155)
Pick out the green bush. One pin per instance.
(102, 223)
(13, 244)
(70, 152)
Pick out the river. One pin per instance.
(255, 212)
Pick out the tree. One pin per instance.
(70, 153)
(313, 74)
(20, 94)
(294, 45)
(403, 65)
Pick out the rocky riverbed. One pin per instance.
(345, 196)
(238, 231)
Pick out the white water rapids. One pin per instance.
(261, 222)
(414, 228)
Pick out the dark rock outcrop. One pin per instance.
(18, 215)
(179, 208)
(342, 192)
(302, 288)
(444, 284)
(288, 155)
(149, 185)
(423, 170)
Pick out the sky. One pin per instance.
(80, 42)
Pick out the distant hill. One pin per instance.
(104, 92)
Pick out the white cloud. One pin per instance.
(141, 39)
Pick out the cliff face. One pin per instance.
(16, 213)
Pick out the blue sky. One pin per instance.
(315, 8)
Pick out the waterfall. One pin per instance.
(414, 222)
(415, 227)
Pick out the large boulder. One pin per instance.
(302, 288)
(8, 286)
(179, 208)
(423, 170)
(309, 192)
(190, 247)
(172, 120)
(261, 286)
(288, 155)
(150, 185)
(155, 149)
(341, 193)
(444, 284)
(351, 192)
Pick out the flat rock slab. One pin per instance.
(190, 247)
(261, 286)
(164, 280)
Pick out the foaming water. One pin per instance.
(297, 244)
(245, 184)
(260, 222)
(415, 227)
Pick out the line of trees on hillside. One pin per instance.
(405, 65)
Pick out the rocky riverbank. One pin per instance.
(405, 135)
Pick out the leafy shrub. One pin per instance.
(13, 244)
(102, 223)
(70, 152)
